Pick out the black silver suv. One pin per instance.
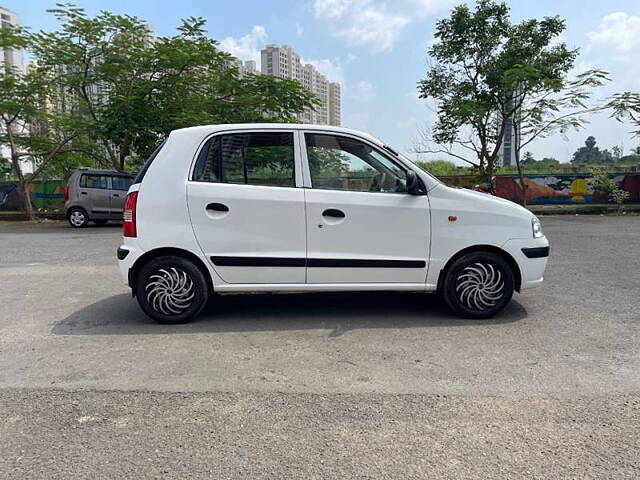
(95, 195)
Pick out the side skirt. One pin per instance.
(323, 287)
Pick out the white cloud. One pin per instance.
(299, 30)
(351, 57)
(619, 31)
(370, 22)
(247, 47)
(332, 69)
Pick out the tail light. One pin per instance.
(66, 193)
(129, 215)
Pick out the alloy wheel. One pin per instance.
(480, 286)
(170, 291)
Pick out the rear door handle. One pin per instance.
(218, 207)
(333, 212)
(116, 195)
(83, 193)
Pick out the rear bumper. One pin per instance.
(127, 254)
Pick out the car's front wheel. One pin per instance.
(478, 285)
(171, 289)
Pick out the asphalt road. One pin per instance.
(319, 386)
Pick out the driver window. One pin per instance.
(342, 163)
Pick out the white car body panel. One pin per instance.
(272, 222)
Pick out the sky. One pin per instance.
(377, 50)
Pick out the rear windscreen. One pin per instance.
(147, 164)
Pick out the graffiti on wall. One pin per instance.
(44, 194)
(550, 189)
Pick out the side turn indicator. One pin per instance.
(452, 218)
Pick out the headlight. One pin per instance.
(536, 227)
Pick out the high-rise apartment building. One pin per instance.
(11, 57)
(284, 62)
(244, 68)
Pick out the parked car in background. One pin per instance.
(307, 208)
(95, 196)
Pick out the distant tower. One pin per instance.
(11, 57)
(507, 153)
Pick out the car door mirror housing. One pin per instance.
(414, 185)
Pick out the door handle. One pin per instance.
(218, 207)
(333, 212)
(83, 193)
(116, 195)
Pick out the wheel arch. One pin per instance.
(71, 208)
(160, 252)
(484, 248)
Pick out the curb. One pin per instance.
(584, 209)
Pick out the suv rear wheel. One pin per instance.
(171, 289)
(478, 285)
(77, 217)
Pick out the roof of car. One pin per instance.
(206, 129)
(99, 171)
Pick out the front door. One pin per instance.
(246, 209)
(363, 226)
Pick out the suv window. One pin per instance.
(121, 183)
(342, 163)
(94, 181)
(260, 158)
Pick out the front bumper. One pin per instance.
(531, 256)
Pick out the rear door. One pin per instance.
(363, 226)
(95, 195)
(119, 186)
(247, 206)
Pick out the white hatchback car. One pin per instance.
(308, 208)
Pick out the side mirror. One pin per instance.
(414, 185)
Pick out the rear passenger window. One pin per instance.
(94, 181)
(261, 158)
(121, 183)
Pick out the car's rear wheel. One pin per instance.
(478, 285)
(77, 217)
(171, 289)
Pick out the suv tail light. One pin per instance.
(66, 193)
(129, 215)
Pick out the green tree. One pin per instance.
(529, 159)
(28, 130)
(487, 72)
(132, 89)
(626, 106)
(590, 153)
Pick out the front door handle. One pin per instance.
(116, 195)
(333, 212)
(218, 207)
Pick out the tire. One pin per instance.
(478, 285)
(77, 217)
(100, 222)
(171, 289)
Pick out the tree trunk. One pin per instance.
(22, 183)
(523, 184)
(28, 206)
(517, 139)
